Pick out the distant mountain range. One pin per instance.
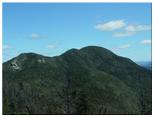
(91, 80)
(145, 64)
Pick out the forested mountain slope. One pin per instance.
(91, 80)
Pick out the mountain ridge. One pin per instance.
(145, 64)
(69, 51)
(90, 80)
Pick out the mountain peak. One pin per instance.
(95, 48)
(91, 50)
(96, 51)
(85, 76)
(71, 51)
(19, 62)
(30, 54)
(92, 47)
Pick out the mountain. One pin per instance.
(90, 80)
(145, 64)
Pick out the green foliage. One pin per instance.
(92, 80)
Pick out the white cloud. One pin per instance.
(123, 34)
(35, 36)
(50, 46)
(121, 47)
(135, 28)
(131, 30)
(5, 47)
(126, 30)
(124, 46)
(146, 41)
(111, 25)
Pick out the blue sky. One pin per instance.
(51, 29)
